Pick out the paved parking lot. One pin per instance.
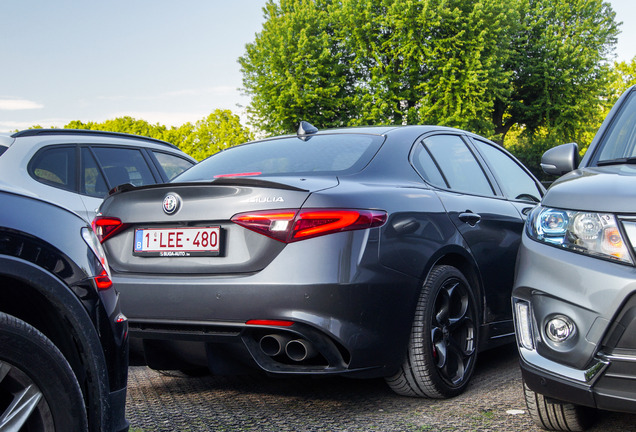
(174, 402)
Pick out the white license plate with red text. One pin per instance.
(177, 242)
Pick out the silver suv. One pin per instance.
(574, 295)
(77, 168)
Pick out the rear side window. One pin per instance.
(121, 165)
(317, 155)
(91, 178)
(172, 165)
(452, 161)
(514, 181)
(55, 166)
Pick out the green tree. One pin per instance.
(124, 124)
(482, 65)
(425, 61)
(559, 68)
(216, 132)
(221, 129)
(364, 62)
(622, 77)
(295, 69)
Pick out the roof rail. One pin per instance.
(36, 132)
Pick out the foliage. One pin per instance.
(537, 68)
(216, 132)
(297, 67)
(622, 77)
(221, 129)
(364, 62)
(559, 68)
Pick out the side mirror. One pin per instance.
(560, 159)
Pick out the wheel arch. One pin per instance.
(39, 298)
(469, 269)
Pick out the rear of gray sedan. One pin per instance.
(250, 250)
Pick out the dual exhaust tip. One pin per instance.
(297, 350)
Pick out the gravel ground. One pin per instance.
(493, 402)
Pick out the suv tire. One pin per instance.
(42, 393)
(445, 318)
(556, 415)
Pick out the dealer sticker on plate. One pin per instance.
(177, 242)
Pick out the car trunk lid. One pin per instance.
(164, 210)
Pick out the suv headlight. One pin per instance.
(596, 234)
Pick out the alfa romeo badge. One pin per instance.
(171, 203)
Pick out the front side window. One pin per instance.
(55, 166)
(457, 165)
(620, 140)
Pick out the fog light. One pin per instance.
(559, 328)
(524, 324)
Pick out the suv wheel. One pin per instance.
(38, 389)
(551, 414)
(443, 345)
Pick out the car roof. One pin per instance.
(6, 140)
(87, 132)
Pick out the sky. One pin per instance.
(163, 61)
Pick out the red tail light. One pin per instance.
(293, 225)
(278, 323)
(103, 280)
(106, 227)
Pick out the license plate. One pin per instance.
(177, 242)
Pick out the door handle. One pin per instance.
(470, 218)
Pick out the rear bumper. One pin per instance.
(117, 404)
(355, 328)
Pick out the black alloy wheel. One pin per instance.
(442, 349)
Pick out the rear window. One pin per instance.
(336, 154)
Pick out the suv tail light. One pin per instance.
(106, 227)
(292, 225)
(102, 280)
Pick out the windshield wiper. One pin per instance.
(619, 161)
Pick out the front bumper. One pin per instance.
(596, 365)
(608, 384)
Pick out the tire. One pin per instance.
(38, 389)
(555, 415)
(442, 348)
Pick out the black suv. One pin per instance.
(63, 339)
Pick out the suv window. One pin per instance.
(514, 181)
(92, 179)
(455, 164)
(55, 166)
(123, 165)
(620, 140)
(172, 165)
